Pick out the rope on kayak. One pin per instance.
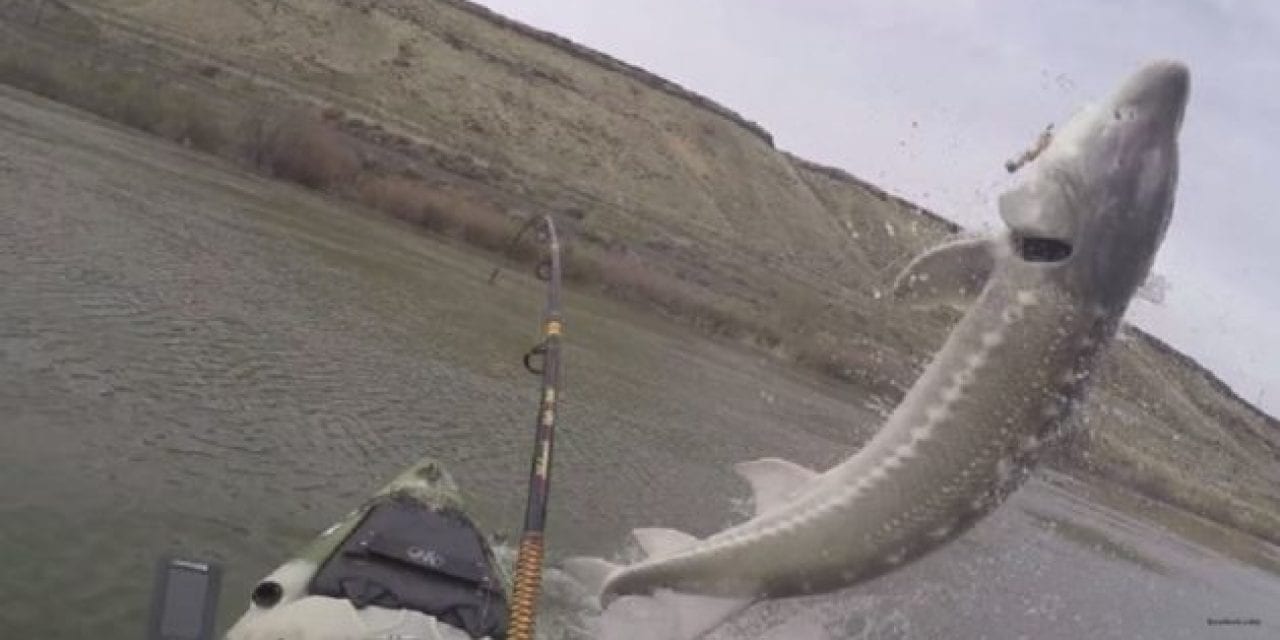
(528, 578)
(524, 599)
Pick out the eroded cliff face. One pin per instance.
(508, 119)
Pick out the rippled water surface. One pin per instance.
(195, 360)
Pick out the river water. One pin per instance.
(194, 360)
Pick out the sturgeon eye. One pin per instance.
(1033, 249)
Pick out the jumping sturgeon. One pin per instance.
(1083, 229)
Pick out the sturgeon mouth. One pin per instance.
(1040, 249)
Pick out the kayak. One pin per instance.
(408, 563)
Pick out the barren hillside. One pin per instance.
(443, 112)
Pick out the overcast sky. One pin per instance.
(928, 99)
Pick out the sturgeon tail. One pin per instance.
(663, 614)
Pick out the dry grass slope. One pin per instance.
(466, 123)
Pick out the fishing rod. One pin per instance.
(185, 595)
(528, 578)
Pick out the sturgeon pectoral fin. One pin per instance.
(658, 542)
(773, 480)
(952, 273)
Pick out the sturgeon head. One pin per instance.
(1083, 228)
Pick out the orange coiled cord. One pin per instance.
(524, 599)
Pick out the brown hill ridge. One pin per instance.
(448, 114)
(609, 62)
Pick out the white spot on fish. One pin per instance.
(1027, 297)
(896, 558)
(1030, 443)
(1004, 470)
(992, 338)
(936, 413)
(977, 359)
(826, 509)
(952, 394)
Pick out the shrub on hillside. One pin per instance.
(446, 211)
(308, 152)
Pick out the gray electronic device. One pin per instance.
(185, 600)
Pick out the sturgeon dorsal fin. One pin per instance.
(952, 273)
(773, 480)
(658, 542)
